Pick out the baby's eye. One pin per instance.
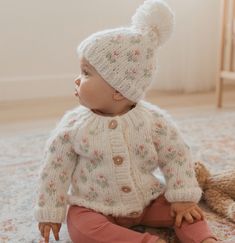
(84, 72)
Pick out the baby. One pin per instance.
(101, 157)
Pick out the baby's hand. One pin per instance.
(45, 229)
(186, 210)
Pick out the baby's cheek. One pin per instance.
(86, 92)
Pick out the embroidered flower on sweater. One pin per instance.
(61, 201)
(102, 181)
(84, 145)
(96, 161)
(63, 176)
(98, 155)
(51, 188)
(190, 173)
(162, 163)
(92, 164)
(57, 163)
(72, 155)
(181, 158)
(109, 201)
(160, 128)
(169, 173)
(149, 165)
(171, 153)
(75, 188)
(141, 151)
(179, 184)
(41, 200)
(157, 144)
(91, 195)
(65, 138)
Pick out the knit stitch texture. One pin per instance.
(107, 163)
(126, 57)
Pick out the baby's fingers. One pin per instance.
(178, 220)
(196, 214)
(47, 229)
(55, 230)
(41, 228)
(188, 217)
(198, 209)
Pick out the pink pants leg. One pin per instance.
(157, 214)
(86, 226)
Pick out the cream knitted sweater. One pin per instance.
(107, 163)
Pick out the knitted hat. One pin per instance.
(126, 57)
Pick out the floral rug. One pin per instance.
(212, 139)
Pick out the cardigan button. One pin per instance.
(126, 189)
(118, 160)
(113, 124)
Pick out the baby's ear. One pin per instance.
(117, 96)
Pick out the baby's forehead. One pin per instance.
(84, 62)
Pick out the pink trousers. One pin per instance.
(87, 226)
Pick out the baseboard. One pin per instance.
(22, 88)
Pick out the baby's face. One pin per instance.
(91, 89)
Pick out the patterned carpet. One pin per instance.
(212, 138)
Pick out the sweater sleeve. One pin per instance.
(175, 161)
(55, 176)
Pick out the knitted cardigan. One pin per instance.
(107, 163)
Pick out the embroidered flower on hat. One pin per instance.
(112, 56)
(131, 73)
(133, 55)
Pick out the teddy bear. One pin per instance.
(218, 190)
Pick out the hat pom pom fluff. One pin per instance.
(155, 15)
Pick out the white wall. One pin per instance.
(38, 41)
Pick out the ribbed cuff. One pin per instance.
(50, 215)
(184, 195)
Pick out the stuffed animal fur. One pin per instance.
(218, 190)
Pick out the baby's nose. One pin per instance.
(77, 81)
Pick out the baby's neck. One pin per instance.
(116, 112)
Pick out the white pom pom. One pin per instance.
(157, 16)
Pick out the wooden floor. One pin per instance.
(25, 114)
